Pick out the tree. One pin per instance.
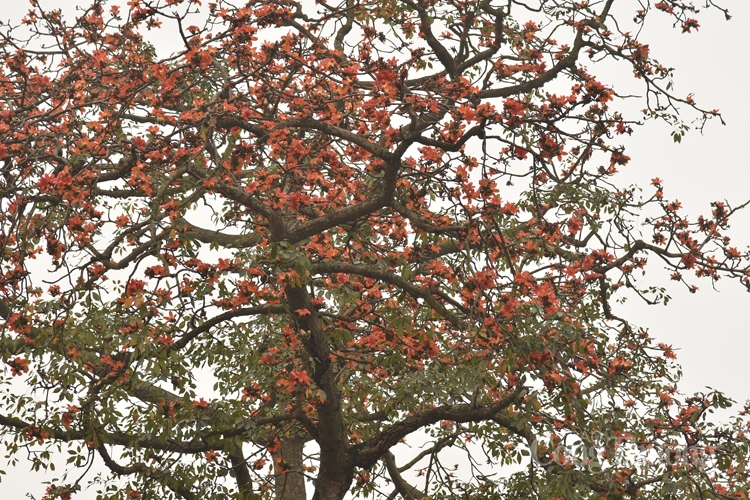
(362, 222)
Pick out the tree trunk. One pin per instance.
(336, 466)
(290, 477)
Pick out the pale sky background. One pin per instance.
(710, 330)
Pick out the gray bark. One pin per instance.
(290, 476)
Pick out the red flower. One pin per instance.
(18, 366)
(690, 24)
(201, 403)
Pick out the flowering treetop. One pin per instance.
(360, 220)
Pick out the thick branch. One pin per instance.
(207, 325)
(336, 468)
(369, 452)
(221, 239)
(406, 490)
(381, 198)
(441, 52)
(116, 438)
(242, 474)
(311, 124)
(535, 83)
(160, 476)
(422, 223)
(329, 266)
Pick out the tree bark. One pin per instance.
(290, 474)
(336, 465)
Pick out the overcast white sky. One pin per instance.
(710, 329)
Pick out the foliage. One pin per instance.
(363, 222)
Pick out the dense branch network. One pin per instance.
(361, 221)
